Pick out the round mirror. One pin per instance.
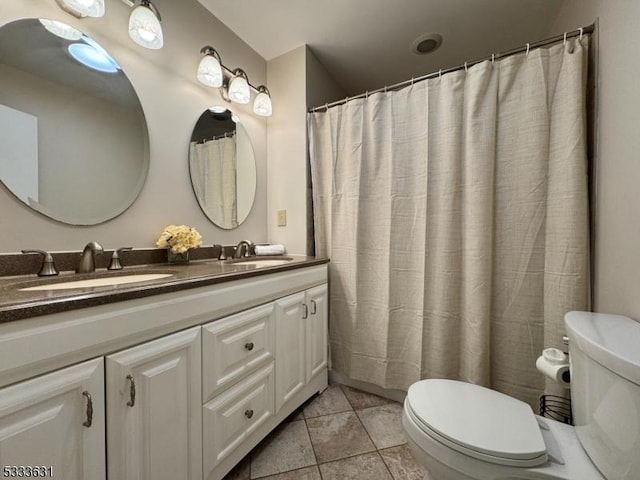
(222, 167)
(73, 137)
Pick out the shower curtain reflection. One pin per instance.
(215, 184)
(454, 212)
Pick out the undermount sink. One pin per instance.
(99, 282)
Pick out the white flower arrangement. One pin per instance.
(179, 238)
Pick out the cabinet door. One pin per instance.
(290, 347)
(317, 330)
(56, 421)
(154, 410)
(234, 346)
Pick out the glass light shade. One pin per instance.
(210, 71)
(83, 8)
(262, 105)
(61, 30)
(144, 28)
(92, 58)
(239, 90)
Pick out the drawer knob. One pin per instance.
(249, 346)
(249, 413)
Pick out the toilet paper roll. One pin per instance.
(559, 373)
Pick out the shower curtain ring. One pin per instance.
(527, 54)
(581, 31)
(493, 58)
(466, 69)
(565, 38)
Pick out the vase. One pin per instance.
(178, 258)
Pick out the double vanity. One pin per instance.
(157, 371)
(154, 371)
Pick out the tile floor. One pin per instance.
(342, 434)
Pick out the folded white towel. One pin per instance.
(270, 250)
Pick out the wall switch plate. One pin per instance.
(282, 218)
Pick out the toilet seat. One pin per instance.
(477, 422)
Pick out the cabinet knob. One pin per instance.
(249, 413)
(132, 391)
(249, 346)
(87, 423)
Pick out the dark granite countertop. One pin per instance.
(16, 304)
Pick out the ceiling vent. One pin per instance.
(426, 43)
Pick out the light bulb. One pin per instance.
(239, 88)
(210, 71)
(144, 27)
(83, 8)
(262, 104)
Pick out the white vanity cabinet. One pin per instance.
(301, 346)
(192, 379)
(153, 409)
(55, 423)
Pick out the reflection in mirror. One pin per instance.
(223, 168)
(73, 137)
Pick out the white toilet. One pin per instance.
(460, 431)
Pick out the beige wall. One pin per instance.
(296, 80)
(287, 150)
(617, 235)
(172, 101)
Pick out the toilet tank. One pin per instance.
(604, 353)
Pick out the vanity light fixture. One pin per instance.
(234, 84)
(238, 89)
(210, 69)
(82, 8)
(61, 30)
(262, 104)
(144, 25)
(217, 109)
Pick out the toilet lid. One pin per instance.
(479, 422)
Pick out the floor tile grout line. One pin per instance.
(374, 443)
(317, 464)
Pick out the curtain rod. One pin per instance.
(496, 56)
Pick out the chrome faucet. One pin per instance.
(243, 249)
(88, 257)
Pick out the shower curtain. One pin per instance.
(455, 215)
(215, 181)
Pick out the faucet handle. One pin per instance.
(48, 268)
(115, 258)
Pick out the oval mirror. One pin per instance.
(73, 137)
(222, 165)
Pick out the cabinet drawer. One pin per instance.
(235, 346)
(235, 414)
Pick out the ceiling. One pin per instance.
(366, 44)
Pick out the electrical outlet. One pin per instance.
(282, 218)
